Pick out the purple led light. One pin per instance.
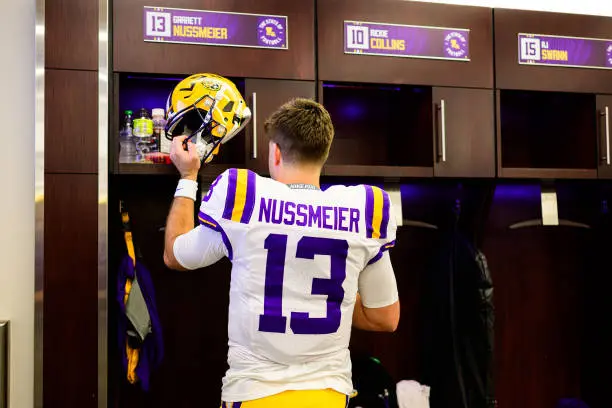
(346, 86)
(148, 78)
(517, 192)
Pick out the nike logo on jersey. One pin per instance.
(327, 217)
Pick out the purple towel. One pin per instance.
(152, 350)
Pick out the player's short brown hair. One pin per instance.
(303, 131)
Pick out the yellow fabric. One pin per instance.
(127, 236)
(132, 354)
(241, 190)
(130, 246)
(132, 357)
(377, 217)
(297, 399)
(128, 289)
(207, 222)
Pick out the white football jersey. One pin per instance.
(297, 253)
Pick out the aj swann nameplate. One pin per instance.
(576, 52)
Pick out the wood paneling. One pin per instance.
(334, 65)
(376, 171)
(70, 291)
(207, 171)
(132, 54)
(537, 275)
(270, 95)
(70, 328)
(511, 75)
(548, 173)
(470, 133)
(71, 121)
(71, 34)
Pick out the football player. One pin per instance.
(307, 264)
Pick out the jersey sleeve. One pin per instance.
(229, 203)
(377, 284)
(199, 248)
(380, 220)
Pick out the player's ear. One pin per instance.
(277, 155)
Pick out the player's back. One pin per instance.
(297, 253)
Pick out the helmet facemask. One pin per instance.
(201, 130)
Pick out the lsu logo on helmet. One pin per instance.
(207, 108)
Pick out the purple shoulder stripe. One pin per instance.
(385, 216)
(231, 194)
(210, 222)
(369, 211)
(249, 203)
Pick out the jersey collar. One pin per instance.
(302, 186)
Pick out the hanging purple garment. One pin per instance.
(571, 403)
(152, 348)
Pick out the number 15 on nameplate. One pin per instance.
(273, 320)
(530, 49)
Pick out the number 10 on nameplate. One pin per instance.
(358, 37)
(273, 320)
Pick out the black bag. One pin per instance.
(458, 333)
(374, 385)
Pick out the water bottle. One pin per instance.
(127, 152)
(159, 132)
(143, 132)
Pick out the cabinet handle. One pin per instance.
(254, 113)
(443, 128)
(607, 119)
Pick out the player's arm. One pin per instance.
(180, 221)
(198, 248)
(377, 306)
(180, 218)
(187, 247)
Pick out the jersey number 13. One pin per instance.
(272, 320)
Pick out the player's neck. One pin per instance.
(300, 175)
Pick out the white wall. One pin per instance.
(17, 23)
(596, 7)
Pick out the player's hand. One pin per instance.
(187, 161)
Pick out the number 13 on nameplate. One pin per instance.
(158, 24)
(272, 320)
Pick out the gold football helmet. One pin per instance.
(209, 109)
